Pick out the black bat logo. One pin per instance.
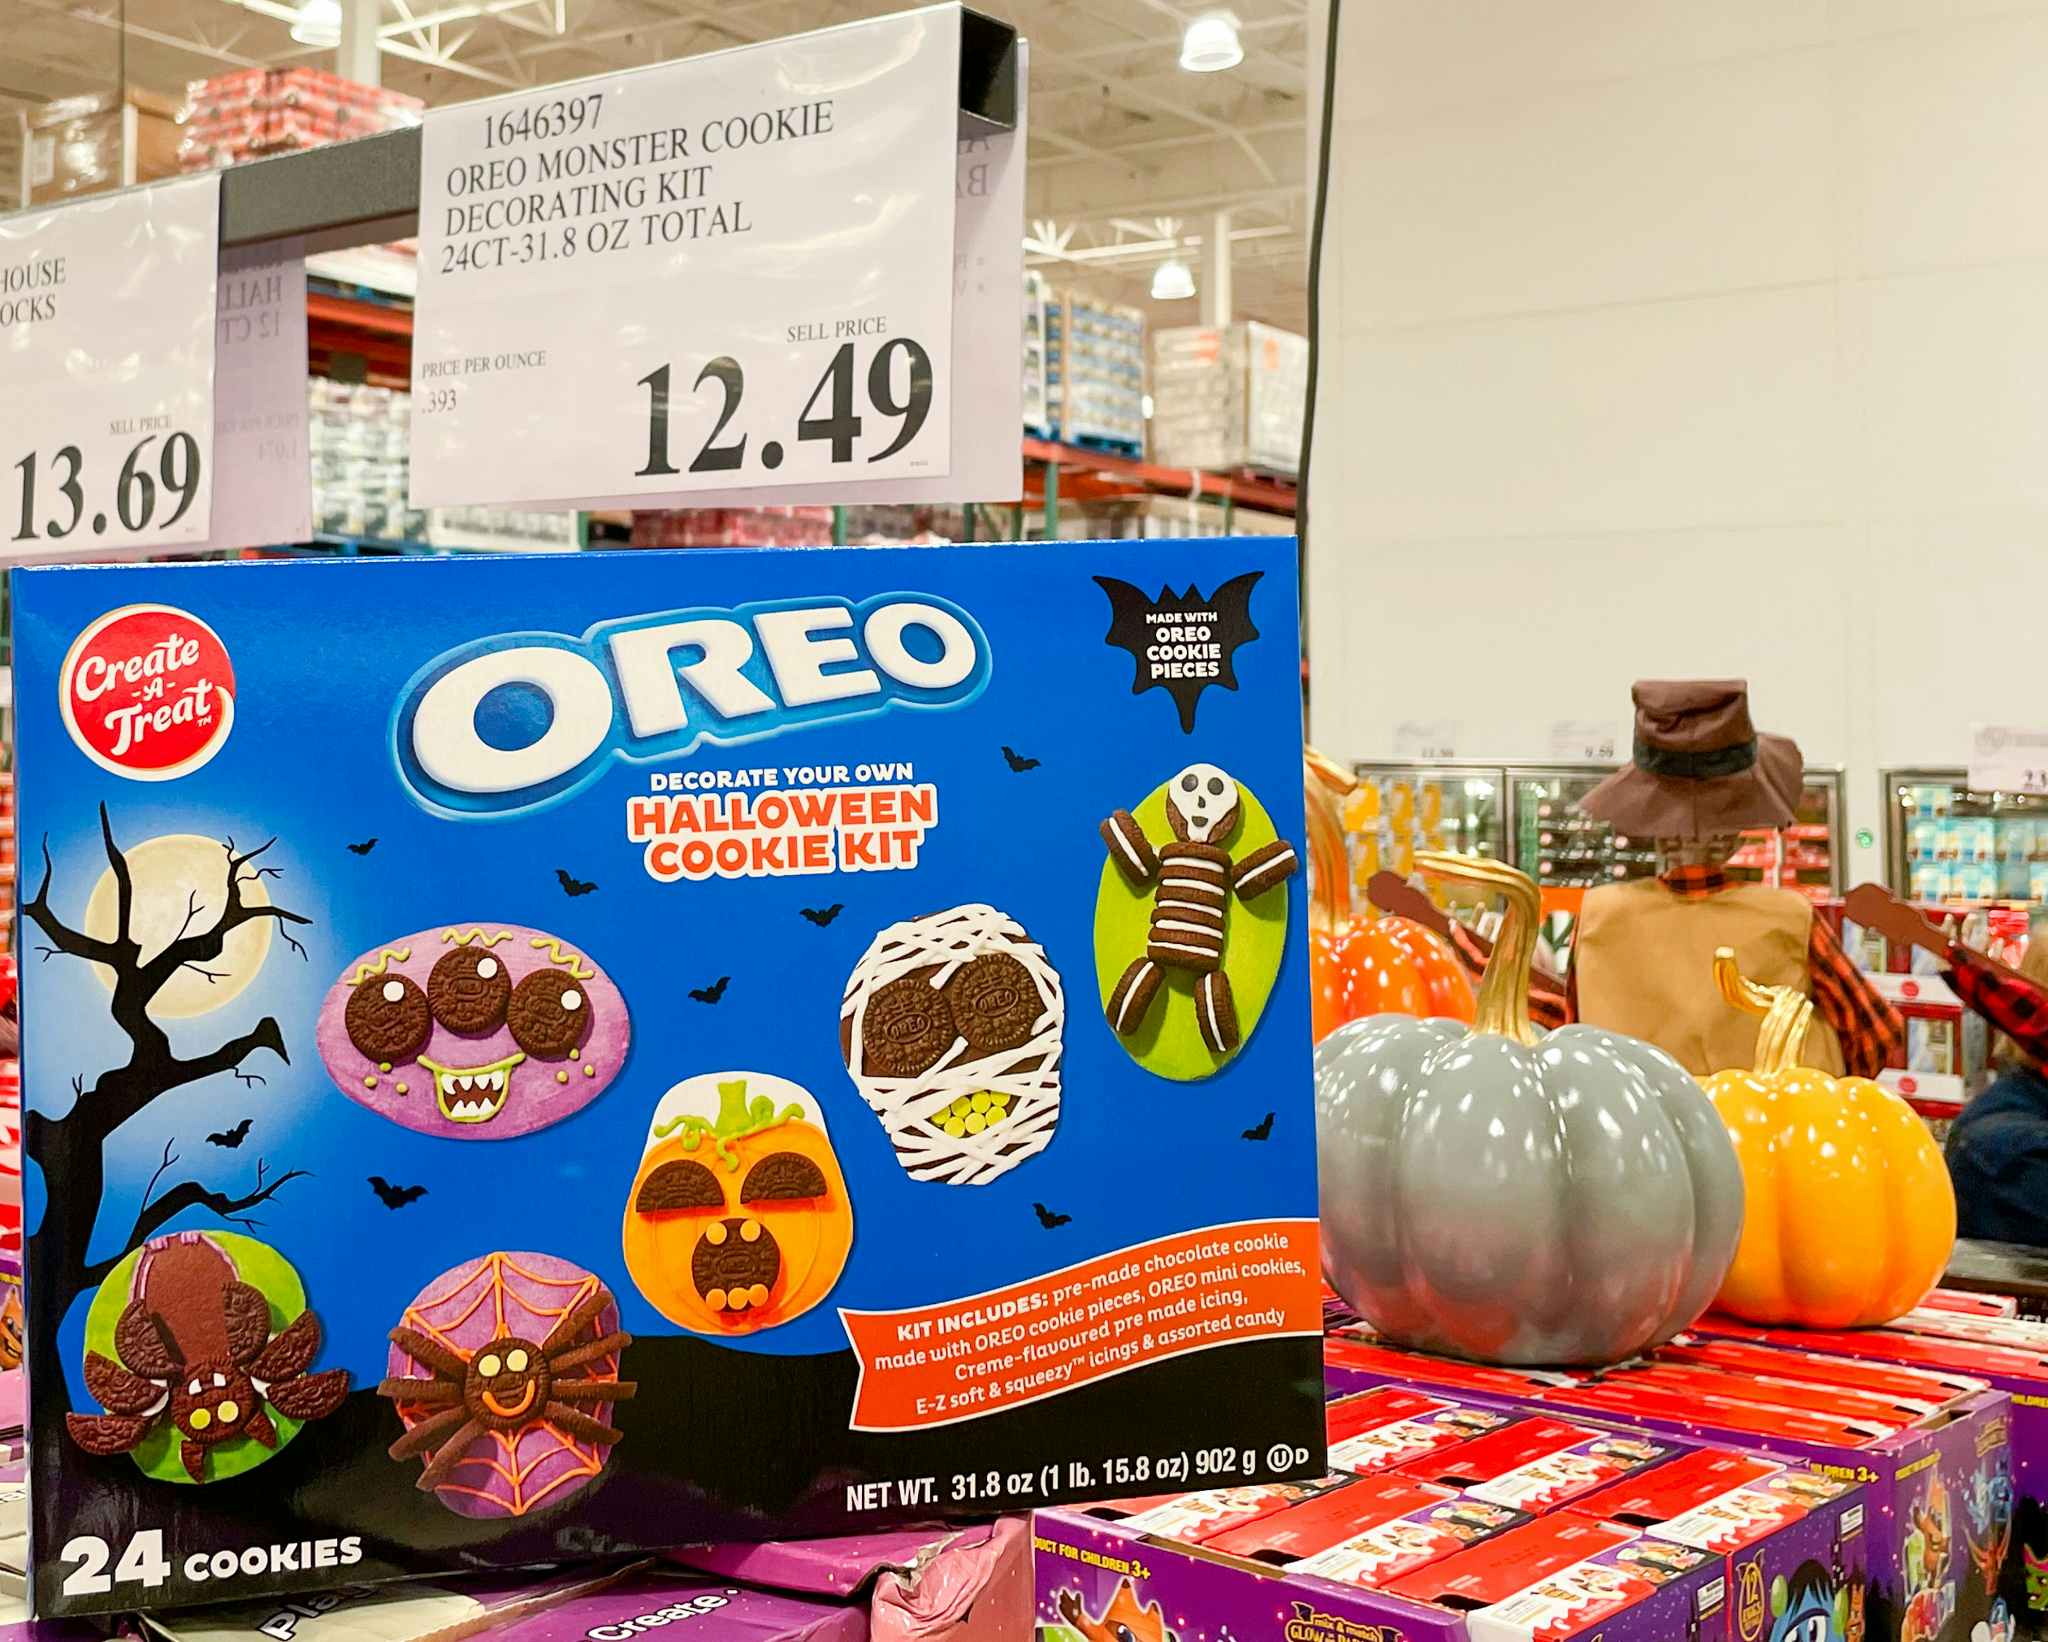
(1048, 1219)
(821, 916)
(1195, 638)
(572, 886)
(363, 848)
(1017, 761)
(395, 1197)
(232, 1138)
(1263, 1131)
(711, 993)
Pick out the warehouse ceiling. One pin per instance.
(1129, 154)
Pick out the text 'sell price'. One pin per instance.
(846, 399)
(57, 492)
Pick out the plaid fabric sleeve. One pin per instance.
(1549, 1007)
(1872, 1034)
(2004, 997)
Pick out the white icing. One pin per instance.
(487, 968)
(1208, 1000)
(572, 1000)
(1123, 1010)
(393, 991)
(1206, 930)
(1182, 946)
(1130, 853)
(911, 1108)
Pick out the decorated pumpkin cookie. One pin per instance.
(200, 1347)
(1190, 921)
(474, 1032)
(504, 1372)
(738, 1218)
(951, 1027)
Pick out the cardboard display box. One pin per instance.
(586, 1059)
(86, 145)
(1917, 1456)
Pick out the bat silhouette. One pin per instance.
(573, 886)
(363, 848)
(1222, 621)
(395, 1197)
(821, 916)
(1263, 1131)
(232, 1138)
(711, 993)
(1017, 761)
(1048, 1219)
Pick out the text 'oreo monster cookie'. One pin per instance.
(519, 721)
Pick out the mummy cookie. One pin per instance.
(474, 1032)
(738, 1218)
(950, 1026)
(1190, 921)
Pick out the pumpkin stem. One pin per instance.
(1786, 1012)
(1503, 1006)
(1324, 782)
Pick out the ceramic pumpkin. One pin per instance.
(738, 1218)
(1851, 1213)
(1515, 1196)
(1387, 966)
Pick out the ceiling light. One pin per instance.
(1210, 44)
(319, 23)
(1172, 280)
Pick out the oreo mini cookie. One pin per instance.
(474, 1032)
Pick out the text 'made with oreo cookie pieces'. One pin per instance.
(532, 1057)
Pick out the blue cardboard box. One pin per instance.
(536, 1057)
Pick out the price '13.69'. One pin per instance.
(840, 425)
(57, 482)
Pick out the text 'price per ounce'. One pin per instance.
(897, 384)
(58, 491)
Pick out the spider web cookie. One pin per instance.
(951, 1028)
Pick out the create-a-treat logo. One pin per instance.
(148, 692)
(519, 721)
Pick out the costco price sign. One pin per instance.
(106, 356)
(723, 273)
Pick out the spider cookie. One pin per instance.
(504, 1372)
(198, 1382)
(1190, 921)
(474, 1032)
(950, 1026)
(738, 1217)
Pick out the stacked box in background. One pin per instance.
(360, 438)
(1095, 373)
(82, 145)
(1037, 413)
(1229, 396)
(733, 527)
(258, 111)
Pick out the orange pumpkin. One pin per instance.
(1850, 1215)
(738, 1219)
(1388, 966)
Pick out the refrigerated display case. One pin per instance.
(1397, 809)
(1945, 841)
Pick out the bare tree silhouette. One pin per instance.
(64, 1268)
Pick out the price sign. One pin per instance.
(263, 491)
(1584, 740)
(2008, 758)
(106, 352)
(707, 275)
(1431, 738)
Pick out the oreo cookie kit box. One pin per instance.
(538, 1057)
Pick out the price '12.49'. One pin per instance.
(840, 426)
(60, 478)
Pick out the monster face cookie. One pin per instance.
(474, 1032)
(504, 1372)
(1190, 921)
(738, 1217)
(951, 1026)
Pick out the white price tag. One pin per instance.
(1586, 740)
(2008, 758)
(263, 492)
(106, 356)
(1432, 738)
(713, 274)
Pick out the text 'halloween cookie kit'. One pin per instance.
(611, 1051)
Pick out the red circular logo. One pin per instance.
(148, 692)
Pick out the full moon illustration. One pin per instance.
(177, 871)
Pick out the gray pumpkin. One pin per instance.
(1513, 1196)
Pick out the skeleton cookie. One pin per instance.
(1194, 881)
(474, 1032)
